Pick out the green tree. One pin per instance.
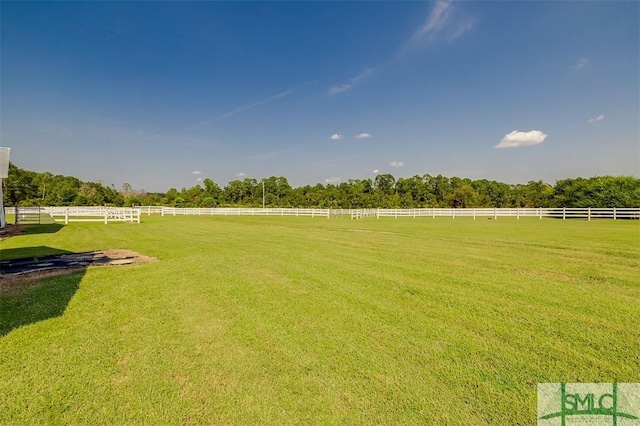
(212, 193)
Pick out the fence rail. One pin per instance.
(108, 214)
(561, 213)
(27, 215)
(362, 213)
(564, 213)
(175, 211)
(76, 214)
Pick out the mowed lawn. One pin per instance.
(275, 320)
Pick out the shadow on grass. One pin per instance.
(29, 229)
(25, 301)
(30, 253)
(43, 228)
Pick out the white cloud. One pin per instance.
(363, 136)
(516, 139)
(241, 174)
(237, 110)
(376, 171)
(581, 63)
(438, 18)
(199, 180)
(396, 164)
(196, 172)
(598, 118)
(461, 27)
(332, 179)
(341, 88)
(258, 103)
(336, 136)
(444, 21)
(355, 80)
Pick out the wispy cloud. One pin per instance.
(580, 63)
(363, 136)
(517, 139)
(351, 83)
(437, 20)
(241, 174)
(240, 109)
(598, 118)
(444, 22)
(332, 179)
(196, 172)
(199, 180)
(258, 103)
(376, 171)
(396, 164)
(336, 136)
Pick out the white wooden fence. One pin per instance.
(78, 214)
(495, 213)
(111, 214)
(362, 213)
(229, 211)
(563, 213)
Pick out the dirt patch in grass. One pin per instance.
(11, 231)
(20, 273)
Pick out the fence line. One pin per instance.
(563, 213)
(108, 214)
(75, 214)
(362, 213)
(229, 211)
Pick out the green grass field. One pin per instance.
(315, 321)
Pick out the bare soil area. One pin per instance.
(10, 231)
(20, 273)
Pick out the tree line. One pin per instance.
(28, 188)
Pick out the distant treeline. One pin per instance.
(25, 187)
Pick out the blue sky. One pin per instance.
(161, 94)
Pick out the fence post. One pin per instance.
(518, 213)
(474, 214)
(614, 213)
(495, 213)
(589, 214)
(453, 213)
(540, 212)
(66, 216)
